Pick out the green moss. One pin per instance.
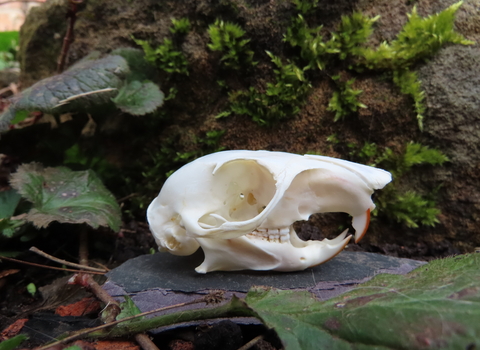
(314, 50)
(353, 33)
(409, 84)
(419, 39)
(228, 38)
(344, 101)
(167, 55)
(180, 26)
(281, 99)
(407, 207)
(305, 6)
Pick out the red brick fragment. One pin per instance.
(83, 307)
(115, 345)
(13, 329)
(178, 344)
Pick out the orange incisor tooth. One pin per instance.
(367, 222)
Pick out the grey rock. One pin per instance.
(159, 280)
(177, 273)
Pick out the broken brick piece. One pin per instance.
(13, 329)
(115, 345)
(83, 307)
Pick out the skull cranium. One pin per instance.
(240, 206)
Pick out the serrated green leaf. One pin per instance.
(12, 343)
(138, 98)
(59, 194)
(87, 83)
(435, 306)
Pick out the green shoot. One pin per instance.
(165, 56)
(409, 84)
(281, 100)
(180, 26)
(305, 6)
(344, 101)
(228, 38)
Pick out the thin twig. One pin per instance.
(49, 267)
(69, 37)
(64, 262)
(251, 343)
(83, 246)
(112, 310)
(110, 324)
(123, 199)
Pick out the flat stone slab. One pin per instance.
(159, 280)
(176, 273)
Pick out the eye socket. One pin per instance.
(243, 189)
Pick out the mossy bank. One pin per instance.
(342, 80)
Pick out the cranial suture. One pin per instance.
(240, 206)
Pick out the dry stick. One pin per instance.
(67, 263)
(87, 280)
(110, 324)
(68, 39)
(49, 267)
(83, 246)
(251, 343)
(145, 342)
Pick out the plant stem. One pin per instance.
(68, 39)
(83, 246)
(234, 308)
(48, 267)
(64, 262)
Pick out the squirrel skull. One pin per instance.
(240, 206)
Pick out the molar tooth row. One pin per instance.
(272, 235)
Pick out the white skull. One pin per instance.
(240, 206)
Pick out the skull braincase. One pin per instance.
(240, 206)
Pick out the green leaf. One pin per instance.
(128, 309)
(59, 194)
(32, 288)
(12, 343)
(140, 69)
(138, 98)
(73, 347)
(87, 83)
(436, 306)
(9, 228)
(8, 203)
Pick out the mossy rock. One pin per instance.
(389, 121)
(41, 39)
